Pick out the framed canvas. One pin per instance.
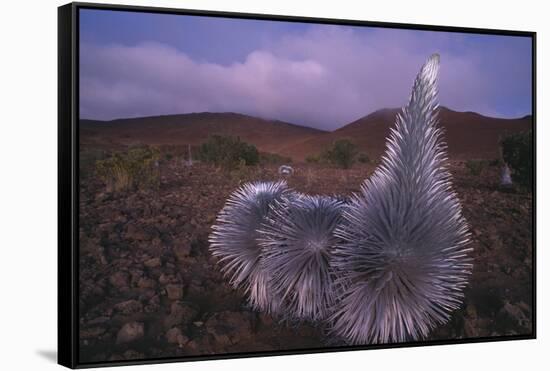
(236, 185)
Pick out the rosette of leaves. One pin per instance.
(297, 243)
(403, 260)
(234, 240)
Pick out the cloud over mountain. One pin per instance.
(324, 77)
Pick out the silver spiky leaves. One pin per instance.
(402, 260)
(297, 242)
(387, 267)
(234, 240)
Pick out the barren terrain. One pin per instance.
(149, 288)
(468, 135)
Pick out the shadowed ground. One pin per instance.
(149, 287)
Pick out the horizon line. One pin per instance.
(295, 124)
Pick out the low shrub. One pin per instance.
(228, 152)
(495, 162)
(240, 172)
(341, 153)
(135, 168)
(363, 158)
(517, 152)
(274, 159)
(313, 159)
(475, 166)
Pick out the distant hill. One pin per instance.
(192, 128)
(468, 134)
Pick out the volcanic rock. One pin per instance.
(175, 336)
(119, 280)
(180, 314)
(153, 263)
(174, 292)
(129, 307)
(130, 332)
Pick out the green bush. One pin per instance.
(517, 152)
(475, 166)
(363, 158)
(240, 172)
(133, 169)
(273, 158)
(313, 159)
(342, 153)
(495, 162)
(228, 152)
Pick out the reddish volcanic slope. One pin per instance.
(193, 128)
(468, 134)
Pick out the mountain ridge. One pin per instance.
(466, 133)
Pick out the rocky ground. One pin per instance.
(149, 288)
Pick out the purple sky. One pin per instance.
(324, 76)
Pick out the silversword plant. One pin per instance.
(234, 240)
(297, 242)
(387, 265)
(403, 261)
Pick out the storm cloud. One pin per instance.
(323, 76)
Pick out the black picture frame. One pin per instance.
(68, 184)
